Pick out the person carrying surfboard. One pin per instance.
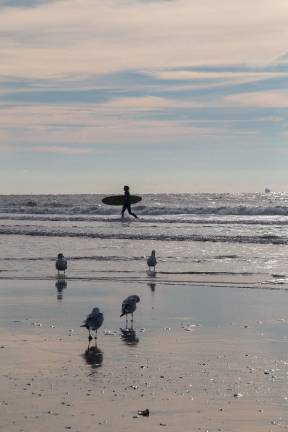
(127, 203)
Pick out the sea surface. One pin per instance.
(220, 238)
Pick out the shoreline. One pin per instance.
(240, 281)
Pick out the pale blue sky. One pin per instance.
(165, 96)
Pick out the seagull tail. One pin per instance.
(122, 315)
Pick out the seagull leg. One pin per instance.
(90, 337)
(95, 335)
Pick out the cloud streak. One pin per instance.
(116, 35)
(60, 150)
(23, 3)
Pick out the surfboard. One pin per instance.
(118, 200)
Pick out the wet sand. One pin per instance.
(201, 358)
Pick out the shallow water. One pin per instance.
(191, 350)
(40, 306)
(197, 237)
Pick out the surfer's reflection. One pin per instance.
(129, 336)
(93, 356)
(60, 284)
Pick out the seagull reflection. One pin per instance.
(60, 285)
(93, 356)
(151, 274)
(152, 287)
(129, 336)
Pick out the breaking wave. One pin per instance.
(99, 210)
(50, 232)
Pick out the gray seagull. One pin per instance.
(129, 306)
(61, 263)
(151, 260)
(93, 322)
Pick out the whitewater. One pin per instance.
(216, 238)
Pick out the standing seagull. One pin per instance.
(129, 306)
(93, 322)
(61, 263)
(151, 260)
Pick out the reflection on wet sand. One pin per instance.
(93, 356)
(151, 274)
(129, 336)
(152, 287)
(60, 284)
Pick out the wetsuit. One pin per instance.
(127, 204)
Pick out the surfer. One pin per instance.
(127, 203)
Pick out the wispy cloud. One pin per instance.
(115, 35)
(23, 3)
(260, 99)
(127, 106)
(60, 150)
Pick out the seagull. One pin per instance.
(93, 322)
(129, 306)
(61, 263)
(151, 260)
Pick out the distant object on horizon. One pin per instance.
(93, 322)
(151, 260)
(267, 190)
(61, 263)
(119, 200)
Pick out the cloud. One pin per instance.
(63, 37)
(71, 151)
(23, 3)
(261, 99)
(149, 103)
(193, 87)
(135, 107)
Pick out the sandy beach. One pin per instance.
(201, 358)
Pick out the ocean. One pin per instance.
(205, 238)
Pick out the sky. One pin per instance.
(163, 95)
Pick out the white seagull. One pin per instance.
(151, 260)
(93, 322)
(61, 263)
